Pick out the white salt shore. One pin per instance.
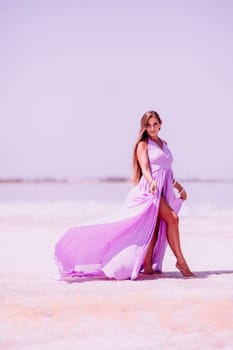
(38, 311)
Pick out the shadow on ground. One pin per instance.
(143, 277)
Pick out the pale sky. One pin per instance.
(76, 77)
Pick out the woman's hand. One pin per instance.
(183, 194)
(180, 189)
(152, 186)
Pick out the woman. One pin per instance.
(134, 239)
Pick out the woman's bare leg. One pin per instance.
(147, 264)
(170, 217)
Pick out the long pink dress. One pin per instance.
(116, 246)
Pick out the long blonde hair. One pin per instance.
(137, 171)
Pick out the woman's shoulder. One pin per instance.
(164, 141)
(142, 144)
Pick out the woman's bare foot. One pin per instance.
(148, 271)
(184, 269)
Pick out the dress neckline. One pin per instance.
(162, 143)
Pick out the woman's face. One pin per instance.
(153, 126)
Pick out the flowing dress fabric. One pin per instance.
(116, 246)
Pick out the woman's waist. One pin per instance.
(156, 168)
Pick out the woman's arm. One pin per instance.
(180, 189)
(143, 160)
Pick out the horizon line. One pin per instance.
(114, 179)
